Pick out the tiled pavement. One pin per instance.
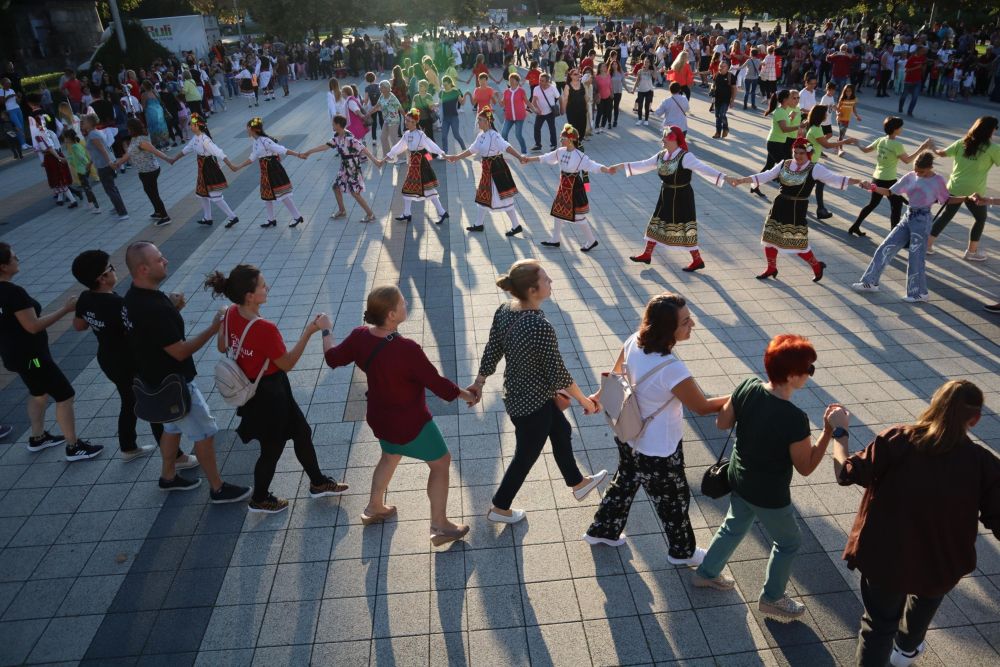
(98, 567)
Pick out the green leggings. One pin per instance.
(781, 528)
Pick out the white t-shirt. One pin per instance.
(666, 429)
(547, 99)
(807, 99)
(9, 98)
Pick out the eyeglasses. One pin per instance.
(110, 269)
(811, 369)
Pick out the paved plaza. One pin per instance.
(99, 567)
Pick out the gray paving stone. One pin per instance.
(401, 614)
(411, 651)
(282, 655)
(675, 636)
(194, 588)
(616, 641)
(299, 581)
(310, 544)
(742, 633)
(17, 564)
(346, 619)
(178, 630)
(494, 607)
(233, 627)
(39, 530)
(257, 548)
(65, 639)
(91, 595)
(226, 658)
(560, 644)
(978, 599)
(498, 647)
(658, 591)
(142, 591)
(289, 623)
(962, 646)
(243, 585)
(38, 599)
(18, 638)
(110, 557)
(120, 635)
(86, 527)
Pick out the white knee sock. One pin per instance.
(588, 233)
(436, 200)
(407, 205)
(480, 215)
(290, 205)
(206, 209)
(557, 231)
(221, 203)
(69, 196)
(514, 221)
(269, 206)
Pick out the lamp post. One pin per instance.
(117, 20)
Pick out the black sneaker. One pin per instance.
(269, 505)
(229, 493)
(161, 222)
(44, 441)
(5, 430)
(82, 450)
(178, 483)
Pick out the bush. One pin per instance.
(50, 80)
(141, 50)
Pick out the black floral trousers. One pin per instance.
(663, 479)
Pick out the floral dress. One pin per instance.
(351, 151)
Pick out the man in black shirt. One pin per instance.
(155, 334)
(100, 309)
(103, 108)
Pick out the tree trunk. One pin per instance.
(741, 16)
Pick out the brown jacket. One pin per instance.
(916, 529)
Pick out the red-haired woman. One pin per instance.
(674, 222)
(420, 182)
(785, 228)
(571, 203)
(772, 438)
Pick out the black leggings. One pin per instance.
(819, 190)
(892, 617)
(776, 152)
(616, 101)
(377, 122)
(645, 101)
(149, 185)
(126, 416)
(531, 432)
(895, 204)
(603, 113)
(270, 452)
(978, 214)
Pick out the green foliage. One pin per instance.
(49, 80)
(141, 50)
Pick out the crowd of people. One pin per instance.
(146, 352)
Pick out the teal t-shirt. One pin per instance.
(760, 469)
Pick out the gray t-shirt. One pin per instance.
(94, 141)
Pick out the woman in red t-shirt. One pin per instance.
(398, 375)
(272, 416)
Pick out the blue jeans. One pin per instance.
(781, 528)
(518, 125)
(17, 118)
(913, 229)
(913, 91)
(721, 117)
(750, 93)
(450, 123)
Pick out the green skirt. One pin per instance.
(429, 445)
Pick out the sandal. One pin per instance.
(441, 537)
(368, 218)
(338, 215)
(377, 517)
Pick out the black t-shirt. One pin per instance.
(723, 88)
(103, 312)
(151, 324)
(17, 345)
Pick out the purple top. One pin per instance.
(921, 192)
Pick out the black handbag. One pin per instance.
(715, 481)
(167, 402)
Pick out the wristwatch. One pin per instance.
(325, 333)
(839, 432)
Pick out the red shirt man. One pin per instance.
(840, 64)
(915, 67)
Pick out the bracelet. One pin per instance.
(325, 333)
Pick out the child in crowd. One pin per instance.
(922, 187)
(968, 84)
(81, 168)
(829, 99)
(847, 106)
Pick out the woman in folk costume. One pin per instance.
(674, 222)
(496, 188)
(421, 182)
(48, 148)
(785, 228)
(274, 182)
(211, 181)
(571, 204)
(248, 85)
(350, 178)
(264, 70)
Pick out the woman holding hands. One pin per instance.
(536, 387)
(350, 178)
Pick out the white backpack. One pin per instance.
(621, 404)
(230, 380)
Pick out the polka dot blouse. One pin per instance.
(535, 369)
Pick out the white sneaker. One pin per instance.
(930, 251)
(978, 256)
(138, 453)
(595, 541)
(865, 287)
(191, 462)
(645, 122)
(900, 659)
(95, 211)
(638, 122)
(784, 610)
(694, 561)
(916, 299)
(515, 516)
(123, 218)
(584, 491)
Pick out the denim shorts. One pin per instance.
(199, 423)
